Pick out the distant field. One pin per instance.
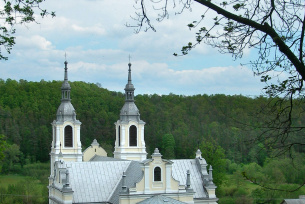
(237, 190)
(22, 189)
(6, 180)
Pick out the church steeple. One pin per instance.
(129, 110)
(66, 110)
(65, 88)
(66, 144)
(130, 142)
(129, 88)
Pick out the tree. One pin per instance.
(168, 146)
(274, 28)
(17, 12)
(3, 146)
(215, 156)
(12, 153)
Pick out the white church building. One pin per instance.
(127, 178)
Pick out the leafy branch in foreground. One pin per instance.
(15, 12)
(274, 28)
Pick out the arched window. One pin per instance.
(68, 136)
(133, 136)
(157, 174)
(119, 133)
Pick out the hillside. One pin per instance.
(28, 108)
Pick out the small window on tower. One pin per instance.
(68, 136)
(157, 174)
(133, 136)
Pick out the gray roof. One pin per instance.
(158, 199)
(180, 167)
(134, 174)
(95, 181)
(101, 158)
(100, 180)
(66, 111)
(130, 111)
(293, 201)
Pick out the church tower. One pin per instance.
(66, 143)
(130, 142)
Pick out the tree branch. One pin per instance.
(266, 28)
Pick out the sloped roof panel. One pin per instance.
(180, 167)
(95, 181)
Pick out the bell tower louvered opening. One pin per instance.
(133, 136)
(68, 136)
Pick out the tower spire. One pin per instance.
(129, 88)
(130, 142)
(65, 88)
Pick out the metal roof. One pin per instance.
(293, 201)
(100, 180)
(180, 167)
(95, 181)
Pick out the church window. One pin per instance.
(133, 136)
(119, 135)
(68, 136)
(157, 174)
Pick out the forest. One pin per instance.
(225, 128)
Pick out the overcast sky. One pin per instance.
(93, 35)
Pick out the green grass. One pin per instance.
(22, 189)
(237, 190)
(6, 180)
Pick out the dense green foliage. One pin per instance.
(28, 108)
(214, 156)
(281, 178)
(221, 126)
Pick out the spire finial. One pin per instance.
(66, 71)
(129, 73)
(65, 88)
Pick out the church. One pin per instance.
(130, 176)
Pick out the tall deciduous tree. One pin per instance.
(14, 12)
(168, 146)
(274, 28)
(3, 146)
(215, 156)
